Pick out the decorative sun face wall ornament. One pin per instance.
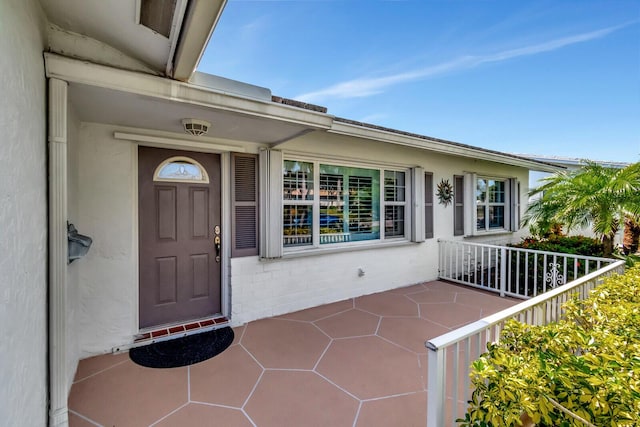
(445, 192)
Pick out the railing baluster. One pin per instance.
(526, 274)
(535, 274)
(482, 266)
(517, 281)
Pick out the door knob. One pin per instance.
(217, 242)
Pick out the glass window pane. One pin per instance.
(332, 209)
(351, 213)
(296, 225)
(360, 204)
(394, 221)
(480, 220)
(496, 217)
(481, 190)
(394, 186)
(496, 191)
(297, 180)
(180, 170)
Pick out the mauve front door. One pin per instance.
(179, 226)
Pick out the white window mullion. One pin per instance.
(316, 205)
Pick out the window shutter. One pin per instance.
(458, 205)
(270, 204)
(514, 185)
(417, 208)
(428, 205)
(244, 205)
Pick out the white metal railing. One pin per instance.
(450, 355)
(515, 272)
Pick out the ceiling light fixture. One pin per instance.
(196, 127)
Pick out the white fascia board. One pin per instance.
(197, 27)
(87, 73)
(436, 146)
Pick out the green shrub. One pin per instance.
(586, 366)
(579, 245)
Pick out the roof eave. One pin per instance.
(445, 147)
(75, 71)
(201, 18)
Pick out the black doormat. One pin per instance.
(183, 351)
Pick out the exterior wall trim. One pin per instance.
(58, 387)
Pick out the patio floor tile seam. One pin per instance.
(85, 418)
(251, 355)
(323, 332)
(253, 389)
(354, 336)
(338, 387)
(355, 418)
(323, 353)
(335, 314)
(400, 346)
(215, 405)
(391, 396)
(100, 371)
(169, 414)
(378, 325)
(449, 328)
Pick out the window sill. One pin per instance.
(489, 233)
(350, 248)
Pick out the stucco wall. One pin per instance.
(107, 276)
(23, 216)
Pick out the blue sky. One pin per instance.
(543, 77)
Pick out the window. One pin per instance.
(181, 169)
(394, 197)
(297, 182)
(326, 204)
(490, 204)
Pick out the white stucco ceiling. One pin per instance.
(100, 105)
(112, 22)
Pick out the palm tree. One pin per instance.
(593, 195)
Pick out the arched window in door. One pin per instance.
(181, 169)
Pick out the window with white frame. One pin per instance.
(490, 204)
(346, 206)
(496, 204)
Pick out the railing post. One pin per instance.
(503, 271)
(436, 364)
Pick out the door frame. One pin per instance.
(225, 219)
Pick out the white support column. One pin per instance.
(58, 387)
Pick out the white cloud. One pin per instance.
(367, 86)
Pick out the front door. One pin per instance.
(179, 235)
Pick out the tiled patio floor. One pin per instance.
(359, 362)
